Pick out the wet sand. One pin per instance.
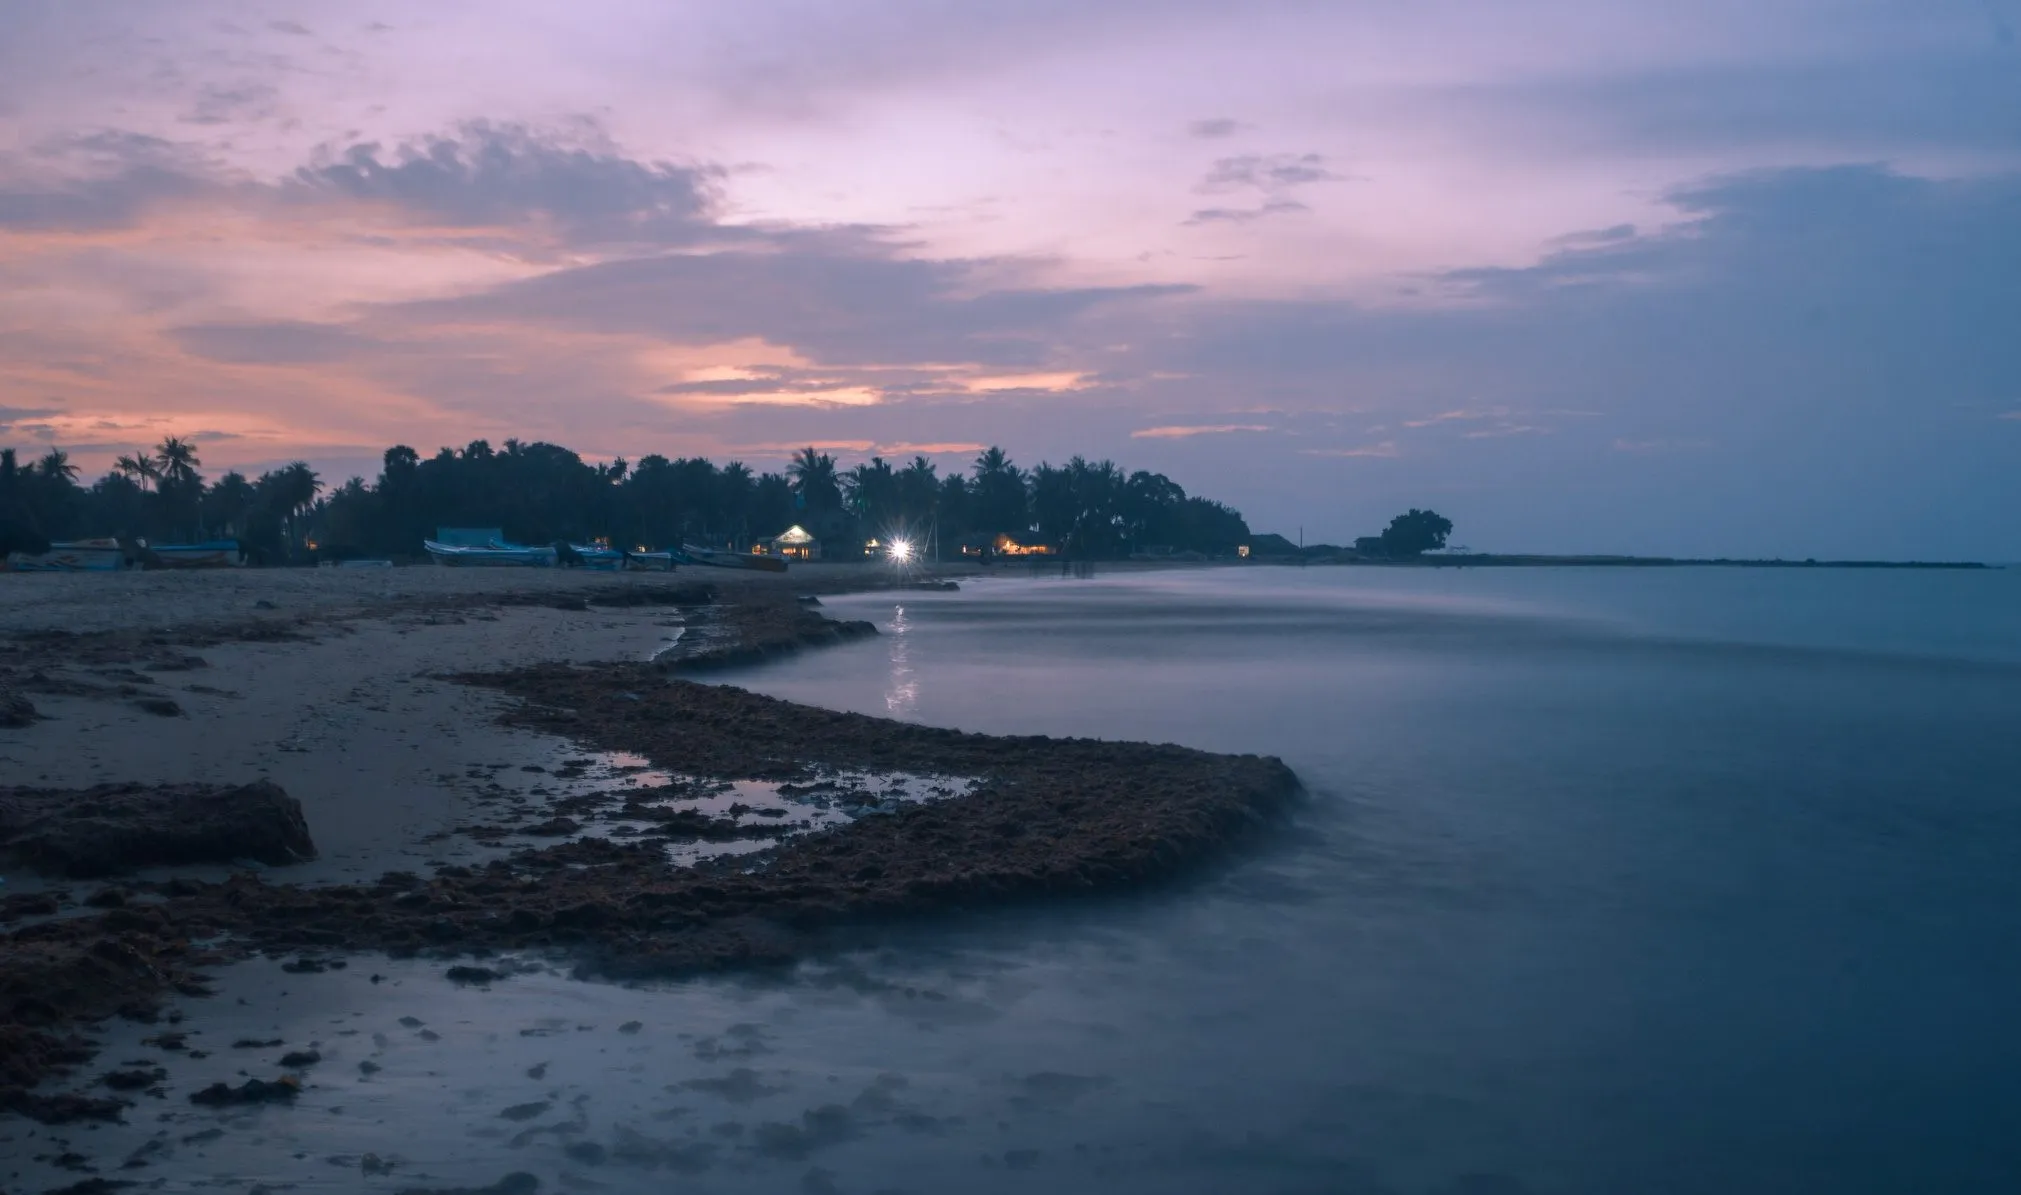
(447, 735)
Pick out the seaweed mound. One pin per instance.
(111, 828)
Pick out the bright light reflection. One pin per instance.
(901, 551)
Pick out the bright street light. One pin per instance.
(901, 551)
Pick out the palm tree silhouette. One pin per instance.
(176, 461)
(56, 464)
(138, 466)
(815, 480)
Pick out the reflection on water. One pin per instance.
(620, 795)
(902, 698)
(1680, 882)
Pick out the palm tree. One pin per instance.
(227, 501)
(999, 493)
(139, 467)
(737, 488)
(176, 461)
(873, 492)
(55, 464)
(815, 480)
(288, 493)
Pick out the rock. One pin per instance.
(252, 1091)
(297, 1059)
(133, 1080)
(526, 1111)
(469, 974)
(554, 827)
(117, 827)
(163, 706)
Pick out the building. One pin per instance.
(1006, 545)
(794, 544)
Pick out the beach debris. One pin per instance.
(252, 1091)
(631, 1026)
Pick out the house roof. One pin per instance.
(795, 534)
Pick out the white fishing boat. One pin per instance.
(496, 555)
(77, 556)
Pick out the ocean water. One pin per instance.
(1609, 881)
(1606, 881)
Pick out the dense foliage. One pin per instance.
(1415, 533)
(540, 493)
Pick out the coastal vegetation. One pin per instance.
(540, 493)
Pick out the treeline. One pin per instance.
(541, 493)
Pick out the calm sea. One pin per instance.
(1682, 881)
(1610, 881)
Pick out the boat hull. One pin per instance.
(216, 554)
(83, 556)
(714, 559)
(501, 557)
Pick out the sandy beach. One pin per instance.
(471, 765)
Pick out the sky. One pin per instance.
(1719, 278)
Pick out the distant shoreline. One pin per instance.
(1503, 560)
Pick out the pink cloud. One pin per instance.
(1180, 431)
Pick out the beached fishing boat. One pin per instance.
(77, 556)
(497, 555)
(217, 553)
(597, 557)
(690, 554)
(650, 561)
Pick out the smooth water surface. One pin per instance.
(1682, 880)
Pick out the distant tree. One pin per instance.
(227, 503)
(138, 468)
(175, 461)
(288, 493)
(55, 466)
(872, 489)
(542, 493)
(815, 480)
(997, 501)
(1413, 534)
(918, 487)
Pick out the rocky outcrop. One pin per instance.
(112, 828)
